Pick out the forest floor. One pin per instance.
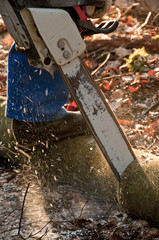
(125, 65)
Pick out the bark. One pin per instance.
(115, 41)
(139, 191)
(151, 6)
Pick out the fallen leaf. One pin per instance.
(154, 127)
(3, 78)
(91, 63)
(114, 82)
(8, 40)
(144, 81)
(116, 95)
(129, 20)
(132, 89)
(154, 60)
(115, 69)
(122, 52)
(126, 102)
(124, 122)
(151, 73)
(105, 86)
(137, 77)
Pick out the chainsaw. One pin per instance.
(51, 34)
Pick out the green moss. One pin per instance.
(137, 61)
(139, 191)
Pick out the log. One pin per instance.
(139, 187)
(150, 43)
(150, 6)
(76, 162)
(79, 163)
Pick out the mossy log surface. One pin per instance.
(78, 162)
(139, 187)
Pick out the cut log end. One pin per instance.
(139, 188)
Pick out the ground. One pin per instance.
(133, 94)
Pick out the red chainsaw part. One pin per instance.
(80, 10)
(72, 107)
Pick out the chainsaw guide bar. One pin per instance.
(53, 35)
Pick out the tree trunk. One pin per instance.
(150, 6)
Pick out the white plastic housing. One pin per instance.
(54, 25)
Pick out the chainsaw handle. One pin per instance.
(21, 4)
(91, 29)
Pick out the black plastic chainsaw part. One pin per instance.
(20, 4)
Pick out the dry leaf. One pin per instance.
(132, 89)
(8, 40)
(105, 86)
(91, 63)
(151, 73)
(124, 122)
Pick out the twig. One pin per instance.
(15, 228)
(129, 8)
(22, 210)
(8, 216)
(22, 146)
(83, 208)
(24, 153)
(102, 55)
(101, 65)
(32, 235)
(151, 107)
(4, 147)
(155, 17)
(95, 51)
(146, 21)
(107, 78)
(108, 211)
(3, 98)
(148, 77)
(70, 211)
(151, 145)
(142, 77)
(119, 13)
(46, 231)
(3, 103)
